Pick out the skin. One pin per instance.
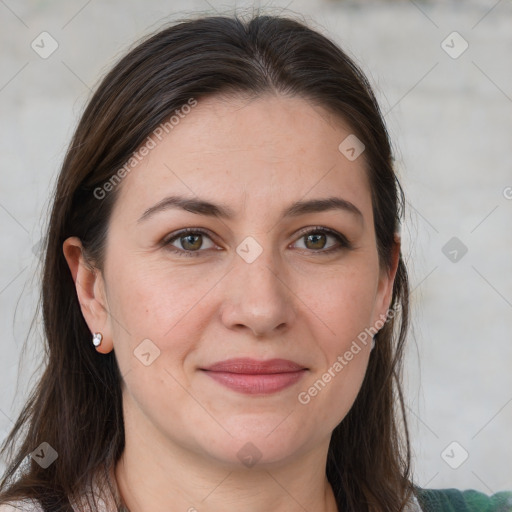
(183, 429)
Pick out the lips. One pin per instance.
(252, 376)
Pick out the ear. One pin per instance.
(90, 289)
(386, 282)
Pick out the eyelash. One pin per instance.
(344, 243)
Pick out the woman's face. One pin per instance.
(269, 280)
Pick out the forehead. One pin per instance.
(270, 149)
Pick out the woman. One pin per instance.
(224, 297)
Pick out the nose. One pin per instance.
(257, 297)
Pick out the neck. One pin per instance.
(155, 474)
(230, 491)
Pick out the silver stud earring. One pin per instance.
(97, 339)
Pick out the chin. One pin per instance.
(262, 443)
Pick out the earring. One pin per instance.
(373, 343)
(97, 339)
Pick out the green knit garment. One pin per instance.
(454, 500)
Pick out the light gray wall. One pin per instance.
(451, 123)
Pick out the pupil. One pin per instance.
(316, 239)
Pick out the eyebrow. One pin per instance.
(203, 207)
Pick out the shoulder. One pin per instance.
(469, 500)
(21, 506)
(100, 495)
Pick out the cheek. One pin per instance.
(153, 324)
(153, 300)
(169, 307)
(343, 302)
(332, 394)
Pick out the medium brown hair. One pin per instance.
(76, 406)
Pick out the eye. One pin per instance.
(315, 239)
(191, 240)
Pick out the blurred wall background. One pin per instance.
(443, 75)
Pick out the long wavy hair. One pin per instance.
(76, 405)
